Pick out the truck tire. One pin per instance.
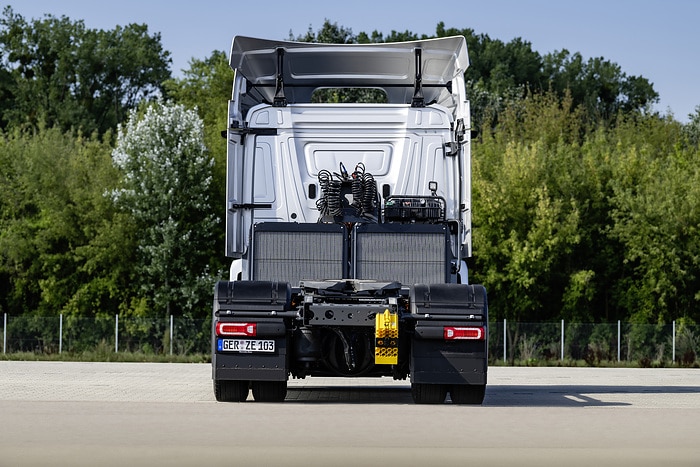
(269, 391)
(230, 391)
(468, 393)
(428, 393)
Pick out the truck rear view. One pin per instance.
(349, 223)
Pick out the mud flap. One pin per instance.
(437, 357)
(263, 354)
(436, 362)
(253, 366)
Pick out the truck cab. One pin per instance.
(348, 221)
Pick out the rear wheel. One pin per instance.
(467, 393)
(269, 391)
(230, 391)
(428, 393)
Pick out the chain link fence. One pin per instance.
(595, 344)
(50, 335)
(510, 343)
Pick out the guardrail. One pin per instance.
(511, 343)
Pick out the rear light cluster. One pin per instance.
(236, 329)
(451, 333)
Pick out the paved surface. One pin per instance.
(65, 413)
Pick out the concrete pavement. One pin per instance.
(67, 413)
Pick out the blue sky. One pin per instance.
(657, 39)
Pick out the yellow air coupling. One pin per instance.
(386, 338)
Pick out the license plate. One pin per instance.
(245, 345)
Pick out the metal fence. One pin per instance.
(514, 343)
(643, 344)
(57, 334)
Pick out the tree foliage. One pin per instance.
(526, 214)
(692, 128)
(656, 191)
(586, 224)
(206, 88)
(597, 84)
(57, 72)
(167, 174)
(63, 248)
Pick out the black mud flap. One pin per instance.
(259, 355)
(450, 342)
(438, 362)
(246, 365)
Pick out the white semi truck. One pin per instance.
(349, 223)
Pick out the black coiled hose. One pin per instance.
(358, 186)
(329, 202)
(362, 185)
(324, 178)
(333, 197)
(369, 194)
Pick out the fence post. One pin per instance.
(60, 334)
(4, 333)
(171, 334)
(116, 333)
(674, 342)
(562, 339)
(619, 342)
(505, 342)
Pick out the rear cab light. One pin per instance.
(236, 329)
(474, 333)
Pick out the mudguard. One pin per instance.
(436, 359)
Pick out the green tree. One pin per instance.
(63, 248)
(586, 223)
(598, 84)
(59, 73)
(526, 217)
(330, 33)
(166, 189)
(206, 87)
(655, 203)
(692, 128)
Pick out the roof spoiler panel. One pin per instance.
(307, 66)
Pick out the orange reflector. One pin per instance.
(470, 333)
(236, 329)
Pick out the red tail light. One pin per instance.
(236, 329)
(458, 333)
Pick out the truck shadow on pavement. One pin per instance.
(499, 395)
(578, 395)
(350, 395)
